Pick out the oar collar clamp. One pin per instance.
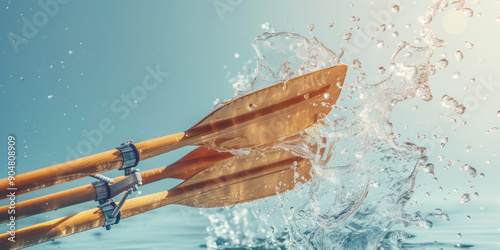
(105, 192)
(108, 207)
(130, 156)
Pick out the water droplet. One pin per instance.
(469, 170)
(381, 70)
(429, 169)
(459, 235)
(326, 96)
(469, 45)
(354, 19)
(498, 113)
(50, 96)
(444, 141)
(395, 8)
(455, 75)
(382, 27)
(395, 34)
(356, 64)
(347, 36)
(70, 52)
(21, 78)
(380, 43)
(216, 101)
(296, 175)
(458, 5)
(464, 199)
(424, 20)
(468, 149)
(236, 55)
(441, 64)
(468, 12)
(310, 27)
(330, 25)
(459, 55)
(452, 104)
(498, 18)
(251, 106)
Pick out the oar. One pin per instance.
(184, 168)
(232, 181)
(256, 119)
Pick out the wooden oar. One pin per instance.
(232, 181)
(256, 119)
(184, 168)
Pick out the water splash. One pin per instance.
(363, 177)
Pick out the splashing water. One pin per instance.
(469, 170)
(452, 104)
(363, 177)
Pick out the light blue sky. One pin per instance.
(86, 55)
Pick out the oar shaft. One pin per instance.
(80, 222)
(194, 162)
(90, 165)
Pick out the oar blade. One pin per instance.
(243, 179)
(187, 166)
(280, 110)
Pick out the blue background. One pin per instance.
(89, 53)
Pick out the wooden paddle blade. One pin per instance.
(187, 166)
(280, 110)
(243, 179)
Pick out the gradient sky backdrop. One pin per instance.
(88, 54)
